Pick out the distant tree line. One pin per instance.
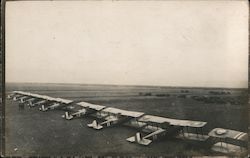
(219, 92)
(235, 100)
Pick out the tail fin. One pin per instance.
(94, 123)
(66, 115)
(30, 104)
(43, 108)
(138, 137)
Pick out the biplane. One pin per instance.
(157, 127)
(83, 109)
(113, 116)
(229, 141)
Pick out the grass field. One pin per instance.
(31, 132)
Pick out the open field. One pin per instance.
(31, 132)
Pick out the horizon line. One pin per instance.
(197, 87)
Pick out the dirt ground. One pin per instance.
(31, 132)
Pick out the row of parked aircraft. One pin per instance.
(151, 127)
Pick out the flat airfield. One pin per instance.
(30, 132)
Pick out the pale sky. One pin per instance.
(166, 43)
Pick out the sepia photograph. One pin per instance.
(126, 78)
